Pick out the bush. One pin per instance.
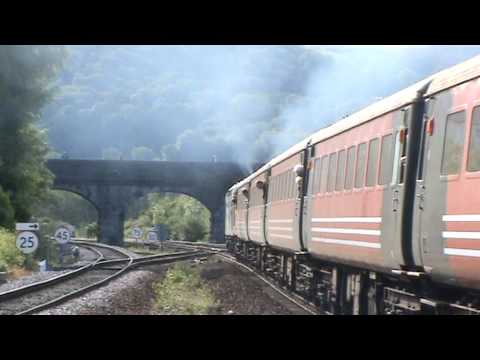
(92, 230)
(183, 292)
(3, 266)
(194, 230)
(7, 213)
(10, 256)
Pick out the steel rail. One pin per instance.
(78, 292)
(271, 284)
(15, 292)
(156, 258)
(131, 263)
(232, 260)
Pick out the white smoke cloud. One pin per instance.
(357, 76)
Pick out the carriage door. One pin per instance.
(418, 238)
(440, 165)
(392, 174)
(307, 193)
(299, 173)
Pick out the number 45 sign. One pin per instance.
(27, 242)
(62, 235)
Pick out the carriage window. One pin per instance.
(318, 168)
(287, 184)
(259, 196)
(292, 184)
(386, 160)
(324, 173)
(341, 170)
(279, 187)
(311, 177)
(372, 162)
(286, 187)
(282, 186)
(332, 171)
(275, 188)
(350, 168)
(361, 159)
(453, 143)
(271, 189)
(474, 150)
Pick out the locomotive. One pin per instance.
(378, 213)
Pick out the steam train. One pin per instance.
(378, 213)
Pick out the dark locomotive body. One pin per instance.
(378, 213)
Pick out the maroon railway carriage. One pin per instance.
(389, 190)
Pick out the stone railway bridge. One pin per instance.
(111, 185)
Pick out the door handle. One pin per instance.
(395, 200)
(421, 198)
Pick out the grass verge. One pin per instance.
(183, 292)
(10, 257)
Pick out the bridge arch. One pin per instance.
(173, 217)
(112, 184)
(216, 209)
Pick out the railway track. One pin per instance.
(110, 263)
(220, 251)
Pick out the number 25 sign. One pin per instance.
(27, 242)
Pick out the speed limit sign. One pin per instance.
(27, 242)
(152, 236)
(62, 235)
(137, 233)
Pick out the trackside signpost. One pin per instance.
(27, 237)
(62, 235)
(152, 236)
(137, 233)
(27, 227)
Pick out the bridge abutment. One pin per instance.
(217, 224)
(110, 224)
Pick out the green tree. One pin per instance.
(6, 210)
(27, 75)
(142, 153)
(111, 153)
(186, 218)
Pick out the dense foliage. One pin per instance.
(64, 207)
(186, 218)
(174, 102)
(10, 256)
(27, 74)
